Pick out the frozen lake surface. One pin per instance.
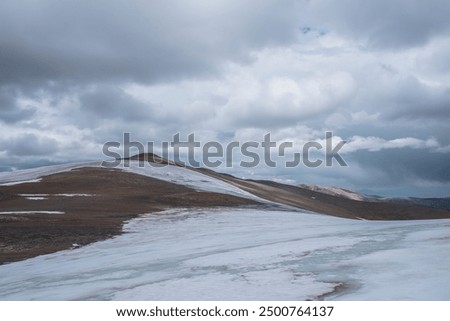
(245, 254)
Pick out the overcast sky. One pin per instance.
(76, 74)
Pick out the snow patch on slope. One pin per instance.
(169, 173)
(246, 254)
(33, 175)
(335, 191)
(31, 212)
(187, 177)
(37, 180)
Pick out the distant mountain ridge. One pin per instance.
(433, 202)
(319, 192)
(336, 191)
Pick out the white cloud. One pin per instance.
(374, 144)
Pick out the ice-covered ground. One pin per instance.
(239, 254)
(173, 174)
(244, 254)
(30, 212)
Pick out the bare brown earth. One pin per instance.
(328, 204)
(118, 197)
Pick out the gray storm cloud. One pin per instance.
(76, 74)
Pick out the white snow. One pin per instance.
(37, 180)
(36, 198)
(33, 175)
(40, 197)
(30, 196)
(187, 177)
(74, 195)
(31, 212)
(173, 174)
(245, 254)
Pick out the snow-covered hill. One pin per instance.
(238, 254)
